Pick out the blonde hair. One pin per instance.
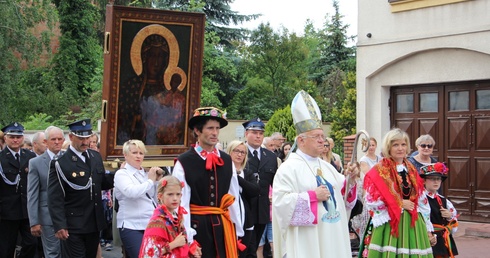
(169, 181)
(139, 144)
(394, 134)
(328, 156)
(232, 145)
(365, 142)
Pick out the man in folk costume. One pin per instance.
(210, 188)
(308, 209)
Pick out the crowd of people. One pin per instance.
(261, 197)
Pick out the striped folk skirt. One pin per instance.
(411, 241)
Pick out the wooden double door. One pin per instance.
(457, 115)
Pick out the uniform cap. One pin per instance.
(14, 128)
(254, 124)
(81, 128)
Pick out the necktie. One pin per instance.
(17, 158)
(87, 160)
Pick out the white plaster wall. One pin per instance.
(447, 43)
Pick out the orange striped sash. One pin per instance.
(445, 235)
(229, 229)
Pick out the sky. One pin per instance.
(293, 14)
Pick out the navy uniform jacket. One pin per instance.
(79, 211)
(13, 198)
(250, 191)
(263, 172)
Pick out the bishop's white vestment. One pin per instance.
(302, 226)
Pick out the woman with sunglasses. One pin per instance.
(423, 156)
(327, 155)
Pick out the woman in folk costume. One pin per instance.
(443, 215)
(308, 210)
(165, 234)
(395, 197)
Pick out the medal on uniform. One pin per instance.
(82, 173)
(74, 174)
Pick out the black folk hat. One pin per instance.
(436, 169)
(206, 113)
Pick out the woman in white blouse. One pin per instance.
(134, 189)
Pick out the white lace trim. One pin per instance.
(393, 249)
(302, 215)
(381, 218)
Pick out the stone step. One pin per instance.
(478, 230)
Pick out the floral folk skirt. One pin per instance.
(411, 241)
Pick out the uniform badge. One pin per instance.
(82, 173)
(84, 123)
(74, 158)
(74, 174)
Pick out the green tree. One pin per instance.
(253, 101)
(220, 74)
(334, 60)
(219, 16)
(38, 121)
(344, 117)
(79, 57)
(282, 121)
(277, 58)
(37, 87)
(333, 47)
(22, 41)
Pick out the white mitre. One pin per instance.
(306, 113)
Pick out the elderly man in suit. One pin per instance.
(74, 186)
(37, 192)
(261, 168)
(38, 143)
(13, 194)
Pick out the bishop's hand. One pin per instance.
(322, 193)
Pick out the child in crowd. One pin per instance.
(165, 234)
(443, 215)
(106, 234)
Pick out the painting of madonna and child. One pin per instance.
(159, 78)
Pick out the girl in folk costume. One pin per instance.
(443, 215)
(395, 197)
(165, 234)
